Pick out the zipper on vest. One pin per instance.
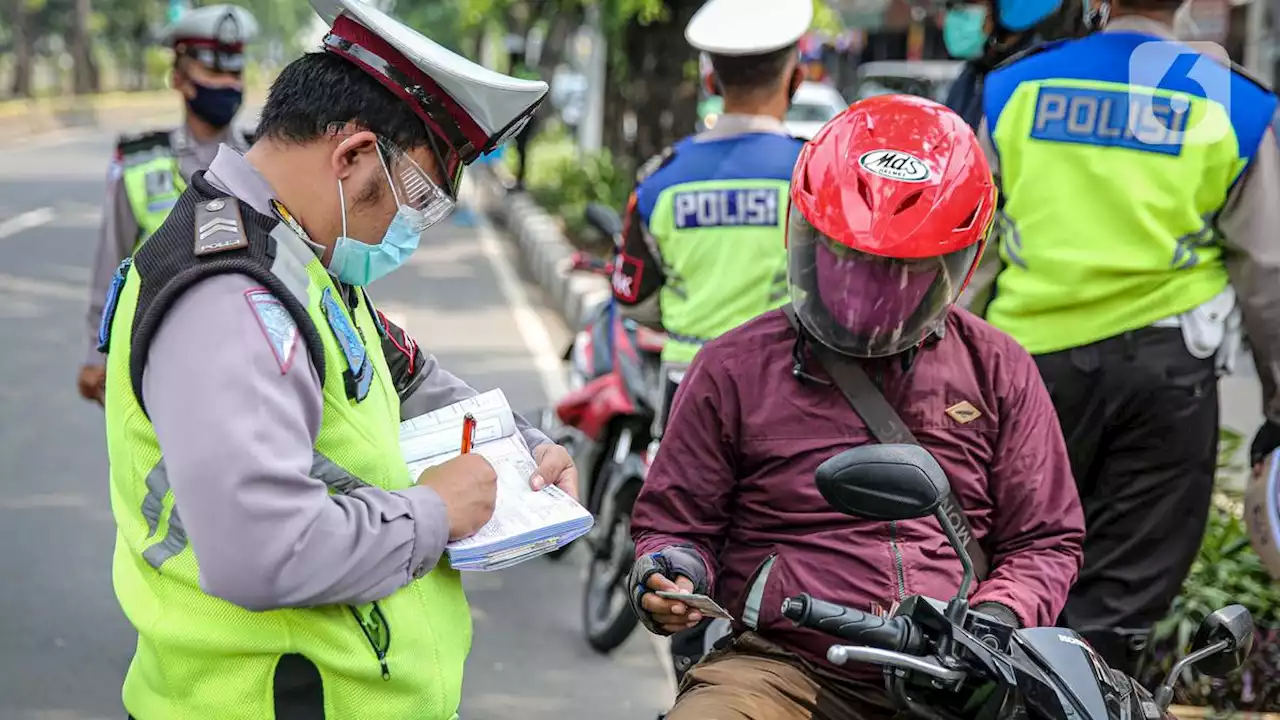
(376, 630)
(897, 560)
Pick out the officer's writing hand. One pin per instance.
(556, 466)
(670, 615)
(92, 382)
(468, 484)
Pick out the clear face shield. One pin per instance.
(865, 305)
(414, 188)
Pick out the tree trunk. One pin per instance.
(84, 72)
(665, 102)
(555, 46)
(615, 108)
(23, 52)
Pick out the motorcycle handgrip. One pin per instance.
(897, 634)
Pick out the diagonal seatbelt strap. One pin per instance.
(884, 423)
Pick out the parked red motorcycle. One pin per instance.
(606, 423)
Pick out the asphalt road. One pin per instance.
(64, 644)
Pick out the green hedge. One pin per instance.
(564, 181)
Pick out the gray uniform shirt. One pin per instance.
(1247, 228)
(237, 436)
(120, 230)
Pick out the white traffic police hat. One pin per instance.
(748, 27)
(213, 35)
(472, 108)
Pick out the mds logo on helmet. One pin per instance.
(895, 165)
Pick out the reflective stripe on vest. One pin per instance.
(400, 657)
(175, 538)
(152, 184)
(723, 251)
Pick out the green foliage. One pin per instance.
(563, 182)
(1226, 571)
(440, 21)
(825, 19)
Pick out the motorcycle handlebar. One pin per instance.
(897, 634)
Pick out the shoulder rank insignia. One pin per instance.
(142, 142)
(359, 372)
(219, 227)
(1028, 52)
(655, 163)
(276, 323)
(109, 307)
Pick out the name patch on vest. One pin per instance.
(109, 306)
(1112, 118)
(728, 207)
(359, 372)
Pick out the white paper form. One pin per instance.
(525, 523)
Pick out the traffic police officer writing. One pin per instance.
(272, 551)
(151, 170)
(1140, 177)
(703, 247)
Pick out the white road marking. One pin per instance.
(43, 288)
(25, 221)
(546, 359)
(550, 368)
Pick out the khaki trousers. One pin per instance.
(754, 679)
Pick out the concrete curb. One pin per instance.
(543, 247)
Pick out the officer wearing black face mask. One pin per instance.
(150, 170)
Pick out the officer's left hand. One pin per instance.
(555, 467)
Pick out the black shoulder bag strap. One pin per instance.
(887, 427)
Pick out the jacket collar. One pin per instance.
(734, 124)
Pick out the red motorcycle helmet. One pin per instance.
(891, 205)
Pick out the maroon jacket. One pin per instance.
(735, 479)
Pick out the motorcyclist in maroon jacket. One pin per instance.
(891, 205)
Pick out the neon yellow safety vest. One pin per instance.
(718, 211)
(1116, 152)
(201, 657)
(151, 178)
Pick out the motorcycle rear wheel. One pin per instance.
(607, 617)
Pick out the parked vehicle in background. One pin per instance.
(811, 107)
(925, 78)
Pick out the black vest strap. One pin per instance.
(169, 266)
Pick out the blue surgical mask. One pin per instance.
(216, 106)
(357, 263)
(963, 31)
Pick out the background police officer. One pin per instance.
(1136, 221)
(985, 33)
(273, 553)
(150, 170)
(703, 245)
